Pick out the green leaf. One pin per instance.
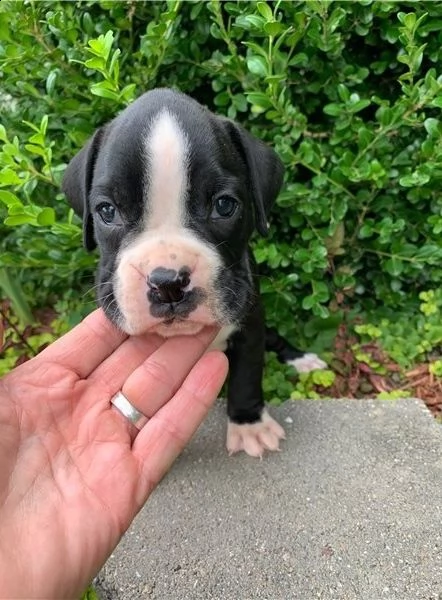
(113, 67)
(343, 92)
(9, 177)
(432, 126)
(300, 59)
(259, 99)
(46, 216)
(336, 17)
(250, 22)
(44, 124)
(358, 106)
(265, 10)
(102, 45)
(365, 136)
(414, 179)
(4, 27)
(35, 149)
(127, 94)
(90, 594)
(87, 23)
(96, 63)
(215, 31)
(222, 99)
(320, 291)
(384, 115)
(22, 219)
(38, 139)
(333, 109)
(32, 126)
(10, 285)
(308, 302)
(51, 81)
(240, 102)
(408, 20)
(102, 89)
(257, 65)
(272, 28)
(437, 102)
(394, 266)
(257, 49)
(9, 198)
(275, 78)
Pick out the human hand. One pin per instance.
(73, 471)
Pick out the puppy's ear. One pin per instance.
(77, 182)
(265, 171)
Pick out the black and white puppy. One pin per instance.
(171, 194)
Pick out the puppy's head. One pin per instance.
(171, 193)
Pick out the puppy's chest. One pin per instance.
(220, 342)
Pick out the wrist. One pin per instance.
(22, 579)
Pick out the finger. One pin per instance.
(113, 372)
(87, 345)
(154, 382)
(170, 429)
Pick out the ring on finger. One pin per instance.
(132, 414)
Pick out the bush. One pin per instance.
(348, 94)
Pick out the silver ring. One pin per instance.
(131, 413)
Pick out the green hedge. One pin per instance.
(348, 93)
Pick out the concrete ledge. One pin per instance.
(350, 509)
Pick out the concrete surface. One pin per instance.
(350, 509)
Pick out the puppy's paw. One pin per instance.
(254, 438)
(308, 362)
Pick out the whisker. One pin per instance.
(96, 287)
(220, 244)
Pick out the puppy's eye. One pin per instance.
(224, 207)
(107, 212)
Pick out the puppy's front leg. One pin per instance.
(250, 427)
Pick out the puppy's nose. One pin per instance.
(167, 285)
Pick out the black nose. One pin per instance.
(167, 285)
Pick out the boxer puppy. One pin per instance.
(171, 193)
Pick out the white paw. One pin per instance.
(256, 437)
(308, 362)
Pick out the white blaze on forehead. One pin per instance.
(167, 150)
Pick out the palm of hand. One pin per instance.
(73, 474)
(72, 457)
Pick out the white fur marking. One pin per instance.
(256, 437)
(220, 342)
(308, 362)
(167, 149)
